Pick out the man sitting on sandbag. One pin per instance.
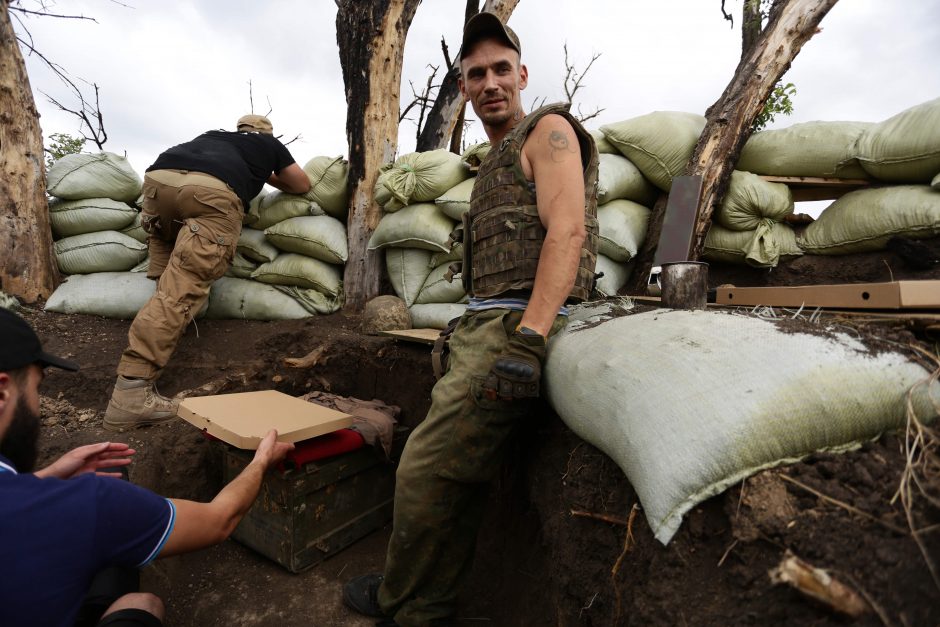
(195, 195)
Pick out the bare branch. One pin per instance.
(251, 97)
(45, 14)
(727, 15)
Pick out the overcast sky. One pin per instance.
(169, 70)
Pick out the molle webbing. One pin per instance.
(503, 234)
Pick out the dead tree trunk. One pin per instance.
(791, 24)
(439, 129)
(371, 38)
(27, 265)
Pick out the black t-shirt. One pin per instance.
(243, 160)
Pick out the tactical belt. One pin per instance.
(179, 178)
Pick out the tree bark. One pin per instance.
(750, 24)
(439, 128)
(27, 265)
(371, 38)
(791, 24)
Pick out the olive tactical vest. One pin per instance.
(502, 232)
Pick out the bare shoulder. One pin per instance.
(554, 139)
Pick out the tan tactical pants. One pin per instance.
(194, 221)
(444, 474)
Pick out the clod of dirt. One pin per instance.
(764, 508)
(385, 313)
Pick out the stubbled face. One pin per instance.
(492, 79)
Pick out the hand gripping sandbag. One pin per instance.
(688, 403)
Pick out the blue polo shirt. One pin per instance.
(55, 535)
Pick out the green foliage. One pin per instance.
(778, 102)
(61, 144)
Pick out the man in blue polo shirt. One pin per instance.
(66, 523)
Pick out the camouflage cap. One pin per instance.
(256, 123)
(483, 25)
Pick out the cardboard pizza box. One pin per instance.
(243, 419)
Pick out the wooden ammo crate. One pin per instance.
(306, 514)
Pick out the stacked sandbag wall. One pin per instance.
(288, 264)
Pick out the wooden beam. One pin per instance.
(894, 295)
(818, 188)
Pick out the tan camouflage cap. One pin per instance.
(256, 123)
(483, 25)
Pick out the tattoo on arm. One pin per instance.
(558, 143)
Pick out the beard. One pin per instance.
(19, 444)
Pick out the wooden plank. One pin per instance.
(421, 336)
(894, 295)
(806, 188)
(675, 240)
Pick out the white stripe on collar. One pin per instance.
(4, 467)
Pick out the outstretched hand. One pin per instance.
(270, 452)
(96, 458)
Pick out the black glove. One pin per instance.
(517, 370)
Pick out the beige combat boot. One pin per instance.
(136, 403)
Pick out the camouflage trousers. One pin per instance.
(444, 474)
(193, 221)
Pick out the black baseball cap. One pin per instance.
(20, 346)
(483, 25)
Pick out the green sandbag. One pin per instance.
(823, 149)
(110, 294)
(328, 184)
(98, 175)
(935, 183)
(455, 254)
(253, 244)
(435, 315)
(314, 301)
(301, 271)
(408, 268)
(864, 220)
(322, 237)
(241, 299)
(136, 230)
(618, 178)
(421, 225)
(763, 247)
(474, 155)
(437, 289)
(241, 267)
(423, 176)
(143, 266)
(750, 199)
(904, 148)
(252, 215)
(660, 144)
(604, 147)
(621, 229)
(279, 206)
(104, 251)
(616, 275)
(456, 201)
(74, 217)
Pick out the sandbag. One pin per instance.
(135, 229)
(252, 214)
(904, 148)
(279, 206)
(750, 199)
(104, 251)
(301, 271)
(408, 268)
(321, 237)
(254, 245)
(475, 154)
(456, 201)
(435, 315)
(75, 217)
(935, 183)
(621, 229)
(143, 266)
(241, 267)
(98, 175)
(864, 220)
(421, 225)
(615, 275)
(423, 176)
(660, 144)
(328, 184)
(110, 294)
(314, 301)
(437, 289)
(764, 247)
(242, 299)
(604, 147)
(688, 403)
(618, 178)
(823, 149)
